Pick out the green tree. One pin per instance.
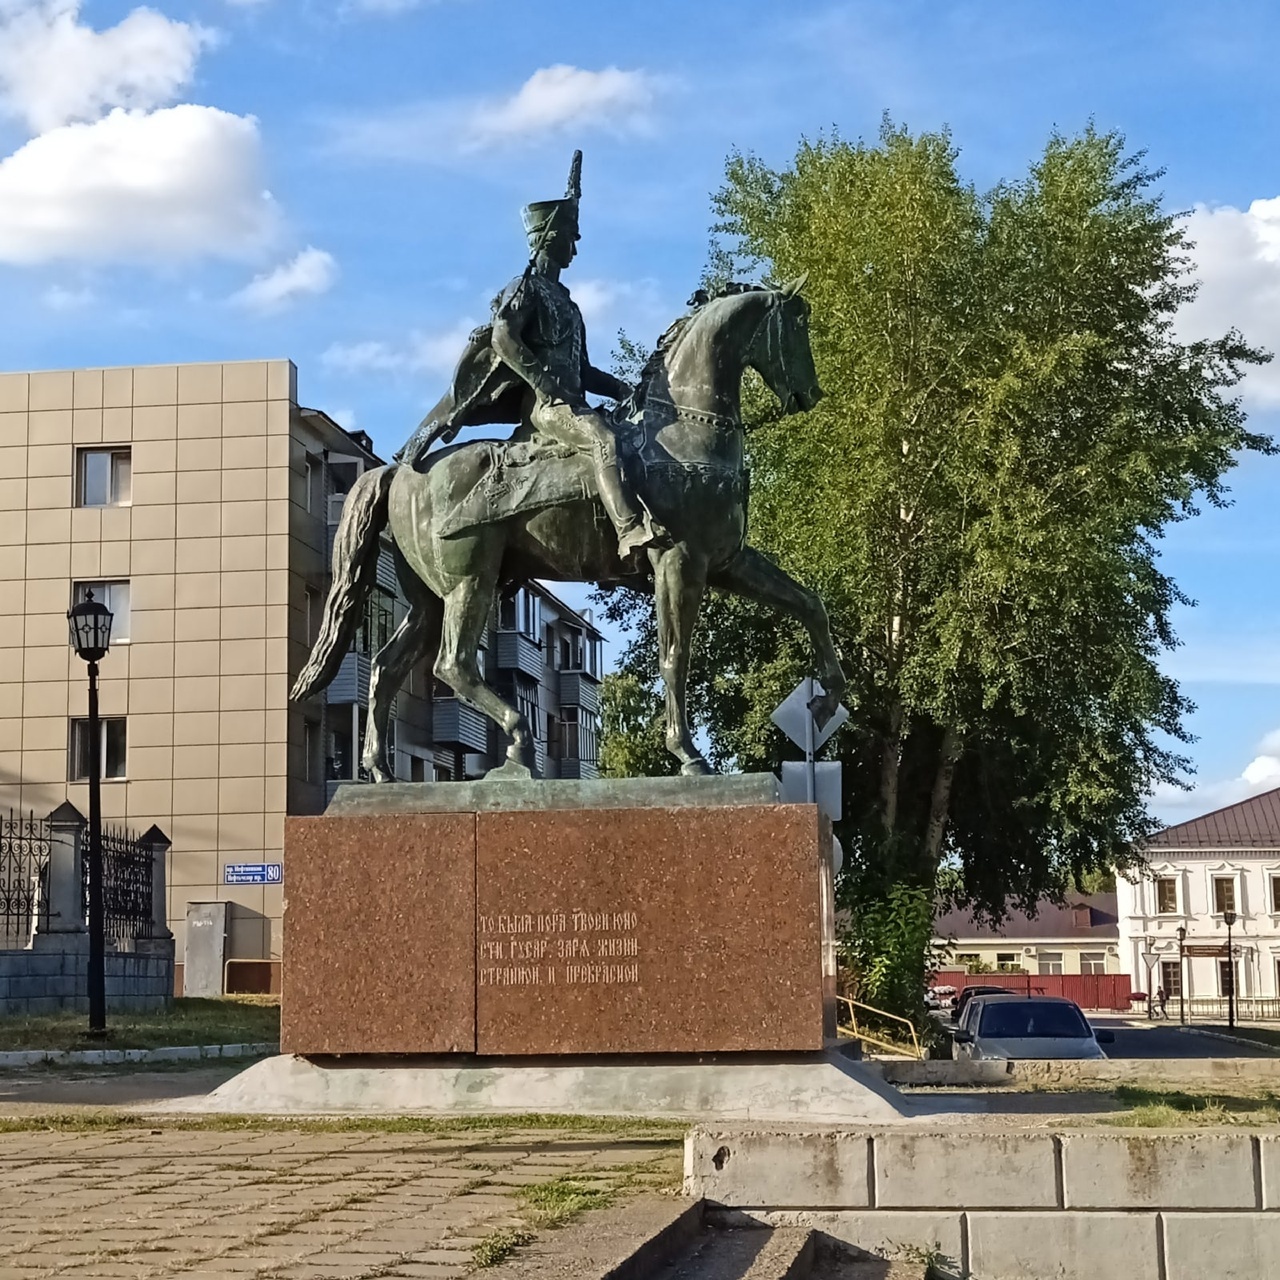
(632, 730)
(1010, 424)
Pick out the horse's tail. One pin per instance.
(355, 567)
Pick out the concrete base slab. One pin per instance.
(821, 1088)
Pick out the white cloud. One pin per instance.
(561, 97)
(54, 70)
(1262, 773)
(113, 172)
(173, 184)
(1237, 256)
(58, 298)
(433, 353)
(554, 100)
(312, 272)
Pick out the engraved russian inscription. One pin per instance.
(558, 948)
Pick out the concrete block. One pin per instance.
(778, 1170)
(965, 1171)
(1066, 1246)
(1226, 1246)
(1270, 1153)
(881, 1233)
(177, 1053)
(1158, 1171)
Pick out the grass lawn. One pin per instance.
(230, 1020)
(1166, 1108)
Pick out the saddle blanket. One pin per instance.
(519, 477)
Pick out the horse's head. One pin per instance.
(780, 352)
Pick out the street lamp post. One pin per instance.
(1182, 976)
(90, 625)
(1229, 918)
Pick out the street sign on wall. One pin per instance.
(253, 873)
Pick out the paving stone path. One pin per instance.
(283, 1205)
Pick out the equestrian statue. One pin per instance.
(651, 493)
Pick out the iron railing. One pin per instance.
(24, 869)
(1215, 1009)
(126, 885)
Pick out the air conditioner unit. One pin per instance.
(1028, 951)
(1113, 951)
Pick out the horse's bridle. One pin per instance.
(724, 421)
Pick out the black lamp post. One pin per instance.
(90, 623)
(1229, 918)
(1182, 976)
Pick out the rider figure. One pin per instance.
(539, 335)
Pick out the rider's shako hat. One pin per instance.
(562, 212)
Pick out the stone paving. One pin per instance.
(284, 1205)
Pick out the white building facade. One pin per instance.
(1174, 916)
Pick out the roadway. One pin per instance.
(1160, 1039)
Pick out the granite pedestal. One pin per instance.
(641, 941)
(697, 923)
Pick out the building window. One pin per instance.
(379, 621)
(111, 744)
(417, 769)
(968, 960)
(1007, 962)
(1227, 978)
(115, 595)
(308, 751)
(1171, 978)
(104, 478)
(521, 611)
(1275, 896)
(1167, 896)
(1093, 962)
(1049, 962)
(312, 599)
(1224, 894)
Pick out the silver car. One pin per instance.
(1013, 1026)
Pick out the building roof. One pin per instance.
(1250, 824)
(1084, 917)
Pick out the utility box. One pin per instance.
(204, 959)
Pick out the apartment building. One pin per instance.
(199, 501)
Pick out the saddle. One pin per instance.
(520, 476)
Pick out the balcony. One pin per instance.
(351, 684)
(578, 689)
(516, 651)
(453, 723)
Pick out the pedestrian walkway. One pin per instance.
(300, 1204)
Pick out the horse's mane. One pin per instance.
(701, 297)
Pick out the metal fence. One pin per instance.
(126, 885)
(24, 867)
(1214, 1008)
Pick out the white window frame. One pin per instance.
(1093, 957)
(1232, 875)
(73, 755)
(113, 452)
(1177, 893)
(115, 594)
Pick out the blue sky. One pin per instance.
(340, 183)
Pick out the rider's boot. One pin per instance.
(636, 528)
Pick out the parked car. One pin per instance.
(962, 1001)
(1014, 1026)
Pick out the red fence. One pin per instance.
(1088, 990)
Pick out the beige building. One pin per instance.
(1079, 936)
(200, 502)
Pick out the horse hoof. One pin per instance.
(510, 771)
(696, 769)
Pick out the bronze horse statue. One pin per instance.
(483, 514)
